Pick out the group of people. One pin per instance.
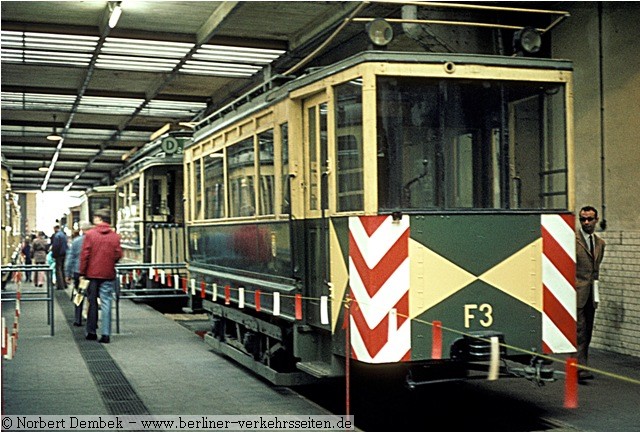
(94, 251)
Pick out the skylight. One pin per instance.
(139, 55)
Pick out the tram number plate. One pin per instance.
(483, 313)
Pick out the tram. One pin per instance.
(149, 203)
(351, 211)
(11, 220)
(97, 198)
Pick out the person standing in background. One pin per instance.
(72, 266)
(100, 252)
(589, 254)
(26, 252)
(39, 249)
(59, 252)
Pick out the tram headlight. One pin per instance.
(380, 32)
(527, 40)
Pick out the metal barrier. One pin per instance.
(147, 282)
(9, 296)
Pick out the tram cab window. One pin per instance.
(349, 146)
(470, 144)
(155, 202)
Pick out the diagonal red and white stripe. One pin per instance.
(558, 280)
(379, 280)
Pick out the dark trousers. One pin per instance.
(92, 315)
(78, 311)
(61, 282)
(586, 317)
(27, 274)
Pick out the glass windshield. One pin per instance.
(470, 144)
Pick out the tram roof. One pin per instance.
(262, 96)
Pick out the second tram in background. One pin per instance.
(149, 204)
(98, 198)
(413, 187)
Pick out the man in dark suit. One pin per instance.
(589, 254)
(59, 252)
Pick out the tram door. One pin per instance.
(316, 202)
(156, 212)
(157, 206)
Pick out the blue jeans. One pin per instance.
(104, 288)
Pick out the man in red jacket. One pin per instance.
(101, 251)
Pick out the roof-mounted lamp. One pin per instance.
(54, 134)
(527, 40)
(380, 32)
(43, 168)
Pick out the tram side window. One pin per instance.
(214, 186)
(189, 193)
(266, 173)
(241, 172)
(120, 197)
(284, 175)
(135, 197)
(198, 187)
(349, 146)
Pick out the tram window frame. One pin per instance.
(349, 149)
(198, 189)
(285, 182)
(241, 190)
(266, 193)
(429, 116)
(215, 187)
(134, 197)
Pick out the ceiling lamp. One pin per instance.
(43, 168)
(54, 135)
(116, 11)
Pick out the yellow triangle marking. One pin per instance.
(433, 278)
(339, 276)
(509, 276)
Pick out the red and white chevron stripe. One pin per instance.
(379, 279)
(558, 280)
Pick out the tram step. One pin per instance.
(317, 369)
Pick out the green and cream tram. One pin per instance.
(414, 188)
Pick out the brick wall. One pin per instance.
(617, 326)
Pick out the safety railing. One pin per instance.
(148, 282)
(45, 293)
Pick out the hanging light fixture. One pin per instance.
(43, 168)
(54, 135)
(115, 9)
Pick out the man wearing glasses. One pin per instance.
(589, 254)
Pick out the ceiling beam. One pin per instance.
(210, 27)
